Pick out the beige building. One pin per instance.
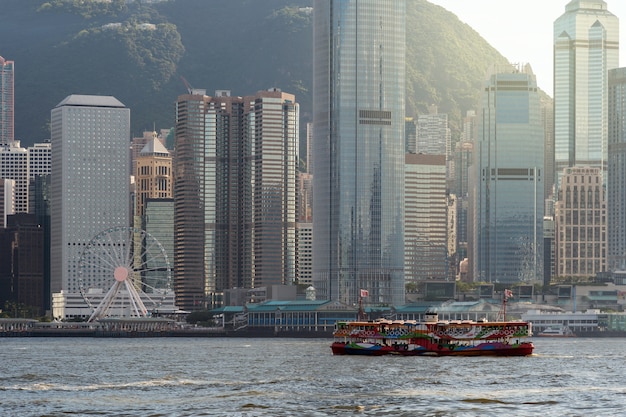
(425, 234)
(581, 239)
(153, 174)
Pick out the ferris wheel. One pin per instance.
(131, 265)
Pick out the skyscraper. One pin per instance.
(89, 180)
(14, 165)
(580, 223)
(358, 150)
(586, 47)
(616, 181)
(7, 101)
(433, 133)
(235, 193)
(507, 180)
(425, 246)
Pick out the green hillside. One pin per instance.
(140, 54)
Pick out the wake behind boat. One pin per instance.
(432, 337)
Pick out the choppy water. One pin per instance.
(299, 377)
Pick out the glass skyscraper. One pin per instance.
(507, 180)
(616, 182)
(235, 194)
(358, 150)
(586, 47)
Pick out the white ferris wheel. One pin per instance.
(131, 265)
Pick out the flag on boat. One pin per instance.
(365, 293)
(508, 294)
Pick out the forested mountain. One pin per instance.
(142, 53)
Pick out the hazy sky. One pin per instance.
(522, 31)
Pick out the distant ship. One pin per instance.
(563, 331)
(432, 337)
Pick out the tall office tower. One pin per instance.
(89, 181)
(433, 134)
(616, 181)
(309, 144)
(7, 200)
(39, 157)
(22, 262)
(7, 101)
(470, 127)
(580, 223)
(153, 174)
(14, 165)
(358, 150)
(586, 47)
(507, 180)
(137, 144)
(304, 261)
(235, 207)
(158, 221)
(547, 119)
(410, 135)
(462, 162)
(425, 213)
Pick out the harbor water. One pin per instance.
(153, 377)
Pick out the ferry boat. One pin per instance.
(432, 337)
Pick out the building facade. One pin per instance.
(507, 180)
(153, 174)
(90, 181)
(426, 221)
(586, 47)
(616, 181)
(580, 223)
(433, 134)
(14, 165)
(235, 193)
(358, 150)
(7, 101)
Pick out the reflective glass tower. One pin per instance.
(616, 182)
(507, 180)
(586, 47)
(358, 150)
(235, 194)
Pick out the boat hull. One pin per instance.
(485, 349)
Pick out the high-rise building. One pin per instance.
(7, 101)
(425, 235)
(153, 174)
(507, 180)
(433, 134)
(547, 117)
(22, 262)
(462, 163)
(580, 224)
(235, 193)
(358, 150)
(14, 165)
(89, 181)
(616, 181)
(7, 200)
(586, 47)
(410, 135)
(39, 157)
